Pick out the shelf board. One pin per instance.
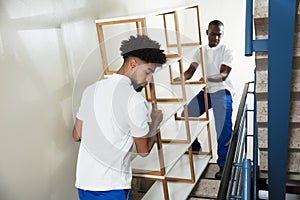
(172, 151)
(175, 129)
(179, 190)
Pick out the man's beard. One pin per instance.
(137, 87)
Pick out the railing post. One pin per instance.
(249, 28)
(246, 180)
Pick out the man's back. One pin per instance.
(106, 134)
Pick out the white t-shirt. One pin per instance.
(112, 113)
(213, 58)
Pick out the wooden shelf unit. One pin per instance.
(171, 161)
(140, 23)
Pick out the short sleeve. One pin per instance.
(229, 57)
(196, 56)
(138, 115)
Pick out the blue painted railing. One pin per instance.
(236, 179)
(280, 55)
(250, 44)
(281, 25)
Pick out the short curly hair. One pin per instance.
(215, 23)
(142, 47)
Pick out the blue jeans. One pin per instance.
(221, 102)
(104, 195)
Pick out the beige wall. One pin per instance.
(48, 54)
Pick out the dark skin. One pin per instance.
(140, 73)
(214, 34)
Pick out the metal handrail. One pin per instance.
(236, 147)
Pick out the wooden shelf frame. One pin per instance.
(175, 15)
(168, 152)
(140, 24)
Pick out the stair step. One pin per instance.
(210, 171)
(139, 187)
(296, 60)
(206, 188)
(261, 9)
(261, 19)
(294, 138)
(262, 77)
(292, 163)
(140, 184)
(262, 81)
(262, 111)
(261, 63)
(137, 195)
(296, 40)
(261, 60)
(295, 83)
(261, 28)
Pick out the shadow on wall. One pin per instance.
(36, 99)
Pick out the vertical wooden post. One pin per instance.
(178, 42)
(166, 190)
(102, 48)
(206, 101)
(159, 145)
(166, 31)
(144, 26)
(198, 23)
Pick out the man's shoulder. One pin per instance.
(226, 46)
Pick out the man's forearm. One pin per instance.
(215, 78)
(152, 135)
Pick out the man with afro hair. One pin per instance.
(111, 118)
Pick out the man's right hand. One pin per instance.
(156, 115)
(177, 79)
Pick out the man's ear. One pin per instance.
(132, 63)
(207, 32)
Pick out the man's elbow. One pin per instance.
(143, 154)
(76, 137)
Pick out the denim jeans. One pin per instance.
(104, 195)
(221, 103)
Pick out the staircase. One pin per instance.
(293, 163)
(206, 188)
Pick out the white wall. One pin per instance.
(48, 54)
(232, 14)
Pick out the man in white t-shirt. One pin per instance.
(111, 117)
(218, 62)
